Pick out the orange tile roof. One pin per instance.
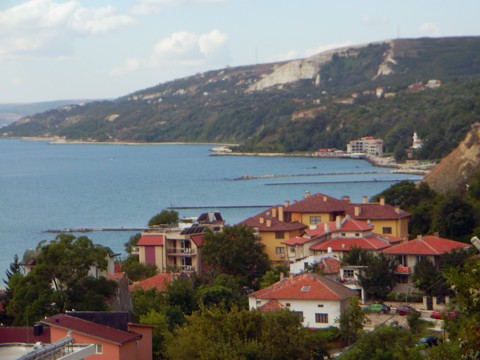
(318, 203)
(297, 240)
(427, 245)
(151, 240)
(373, 242)
(329, 265)
(275, 224)
(158, 282)
(91, 329)
(271, 306)
(305, 286)
(376, 212)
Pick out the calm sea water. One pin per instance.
(55, 186)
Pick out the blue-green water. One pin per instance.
(55, 186)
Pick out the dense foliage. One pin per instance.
(219, 106)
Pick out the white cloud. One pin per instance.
(48, 27)
(145, 7)
(315, 51)
(183, 50)
(429, 29)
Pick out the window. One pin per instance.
(320, 305)
(299, 314)
(315, 220)
(357, 234)
(279, 235)
(386, 230)
(402, 259)
(98, 349)
(279, 250)
(292, 249)
(420, 258)
(321, 318)
(402, 279)
(287, 304)
(259, 302)
(348, 273)
(344, 234)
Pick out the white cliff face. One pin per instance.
(385, 67)
(304, 69)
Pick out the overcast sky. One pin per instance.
(92, 49)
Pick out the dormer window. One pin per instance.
(305, 288)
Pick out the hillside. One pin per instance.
(301, 105)
(458, 168)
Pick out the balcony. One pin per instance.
(181, 251)
(403, 270)
(178, 268)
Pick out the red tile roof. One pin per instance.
(158, 282)
(297, 240)
(373, 242)
(197, 239)
(23, 335)
(329, 265)
(271, 306)
(318, 203)
(321, 203)
(151, 240)
(275, 224)
(91, 329)
(305, 286)
(427, 245)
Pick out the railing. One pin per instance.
(183, 251)
(180, 268)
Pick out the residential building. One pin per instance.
(317, 300)
(272, 229)
(336, 238)
(408, 253)
(367, 145)
(112, 335)
(317, 208)
(177, 249)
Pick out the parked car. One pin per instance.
(377, 308)
(444, 314)
(427, 341)
(405, 310)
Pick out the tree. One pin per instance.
(235, 251)
(351, 321)
(455, 218)
(136, 270)
(164, 217)
(160, 332)
(64, 262)
(385, 342)
(426, 276)
(132, 242)
(378, 279)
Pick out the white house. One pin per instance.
(317, 300)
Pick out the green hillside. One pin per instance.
(334, 103)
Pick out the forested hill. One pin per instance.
(306, 104)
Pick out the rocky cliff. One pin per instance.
(459, 167)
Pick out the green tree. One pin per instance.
(426, 276)
(385, 342)
(136, 270)
(160, 333)
(235, 251)
(378, 278)
(65, 263)
(132, 242)
(455, 218)
(164, 217)
(351, 321)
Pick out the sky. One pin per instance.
(104, 49)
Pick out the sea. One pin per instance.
(50, 186)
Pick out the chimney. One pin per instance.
(307, 194)
(290, 276)
(287, 203)
(364, 200)
(357, 210)
(338, 222)
(327, 227)
(269, 222)
(325, 198)
(346, 198)
(282, 276)
(382, 200)
(280, 213)
(419, 237)
(261, 220)
(397, 209)
(274, 212)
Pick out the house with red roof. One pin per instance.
(112, 335)
(317, 208)
(177, 249)
(336, 238)
(408, 253)
(158, 282)
(317, 300)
